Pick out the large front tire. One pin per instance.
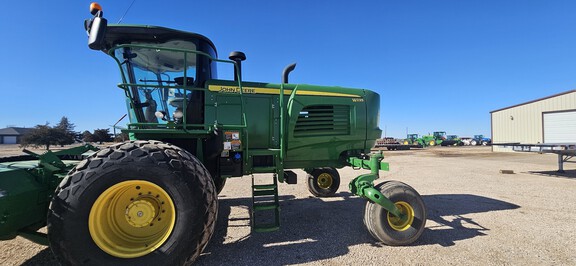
(390, 229)
(323, 182)
(134, 203)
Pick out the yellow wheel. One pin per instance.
(132, 219)
(398, 223)
(406, 142)
(323, 182)
(392, 230)
(134, 203)
(432, 143)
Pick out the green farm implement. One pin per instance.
(153, 200)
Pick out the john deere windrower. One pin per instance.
(153, 200)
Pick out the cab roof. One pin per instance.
(122, 34)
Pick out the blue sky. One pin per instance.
(438, 65)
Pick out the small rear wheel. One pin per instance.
(392, 230)
(323, 182)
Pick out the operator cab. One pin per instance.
(163, 71)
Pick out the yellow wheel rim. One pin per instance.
(325, 180)
(432, 143)
(132, 219)
(401, 224)
(406, 142)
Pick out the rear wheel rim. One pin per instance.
(402, 223)
(132, 219)
(325, 181)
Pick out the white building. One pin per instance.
(547, 120)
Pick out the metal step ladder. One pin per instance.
(265, 204)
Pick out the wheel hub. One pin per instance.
(404, 222)
(140, 213)
(132, 218)
(325, 180)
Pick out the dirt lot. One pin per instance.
(476, 215)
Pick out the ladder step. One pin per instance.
(265, 206)
(262, 228)
(261, 187)
(270, 192)
(264, 169)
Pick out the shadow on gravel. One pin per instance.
(569, 174)
(43, 257)
(447, 211)
(313, 230)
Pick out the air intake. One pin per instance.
(323, 120)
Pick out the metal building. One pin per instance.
(547, 120)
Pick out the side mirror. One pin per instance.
(96, 28)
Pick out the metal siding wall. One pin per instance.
(526, 127)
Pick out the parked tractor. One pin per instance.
(466, 141)
(411, 139)
(435, 139)
(480, 140)
(452, 140)
(153, 200)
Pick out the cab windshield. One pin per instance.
(164, 82)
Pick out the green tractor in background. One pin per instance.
(452, 140)
(435, 139)
(153, 200)
(412, 139)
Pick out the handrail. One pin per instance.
(184, 127)
(125, 85)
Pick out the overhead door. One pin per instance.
(9, 140)
(559, 127)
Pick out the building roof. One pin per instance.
(15, 131)
(533, 101)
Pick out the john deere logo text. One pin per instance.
(236, 90)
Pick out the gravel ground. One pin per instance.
(476, 215)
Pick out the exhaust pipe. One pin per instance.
(287, 71)
(237, 57)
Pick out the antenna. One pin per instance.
(126, 12)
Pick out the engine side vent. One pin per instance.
(323, 120)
